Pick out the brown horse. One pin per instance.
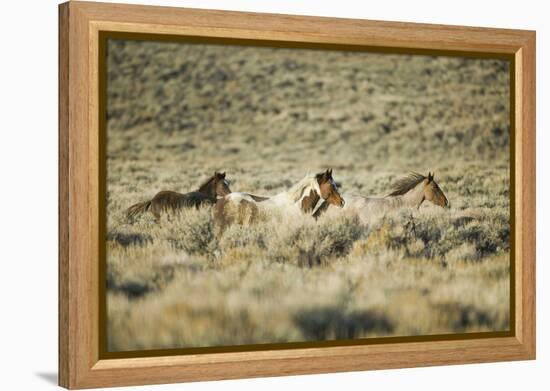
(165, 201)
(302, 198)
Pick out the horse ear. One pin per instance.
(223, 174)
(430, 177)
(330, 172)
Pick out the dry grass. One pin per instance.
(267, 116)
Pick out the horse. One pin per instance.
(165, 201)
(408, 192)
(302, 198)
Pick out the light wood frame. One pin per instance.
(80, 24)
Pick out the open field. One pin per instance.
(177, 113)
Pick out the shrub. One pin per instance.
(193, 231)
(436, 235)
(313, 244)
(237, 236)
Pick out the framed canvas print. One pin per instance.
(248, 195)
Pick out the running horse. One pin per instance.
(310, 196)
(167, 201)
(408, 192)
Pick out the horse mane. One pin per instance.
(405, 184)
(203, 185)
(297, 191)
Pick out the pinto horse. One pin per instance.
(302, 198)
(165, 201)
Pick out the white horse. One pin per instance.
(408, 192)
(303, 198)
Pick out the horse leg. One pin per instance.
(253, 216)
(219, 217)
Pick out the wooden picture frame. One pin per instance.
(81, 24)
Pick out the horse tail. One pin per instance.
(137, 209)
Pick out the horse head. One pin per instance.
(433, 193)
(328, 189)
(215, 186)
(221, 186)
